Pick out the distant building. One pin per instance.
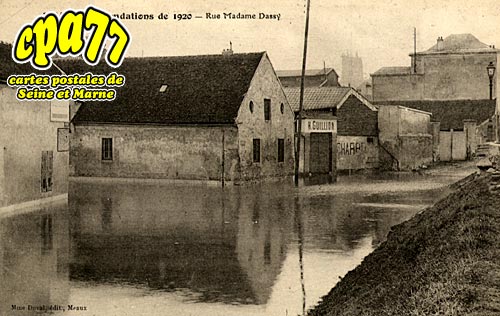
(452, 113)
(34, 143)
(352, 71)
(355, 139)
(211, 117)
(460, 125)
(327, 77)
(452, 75)
(454, 68)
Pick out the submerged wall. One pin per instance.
(167, 152)
(357, 152)
(405, 137)
(25, 132)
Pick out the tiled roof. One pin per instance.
(206, 89)
(10, 67)
(384, 71)
(309, 72)
(316, 98)
(452, 113)
(459, 43)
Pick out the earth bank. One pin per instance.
(443, 261)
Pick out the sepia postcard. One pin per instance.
(246, 158)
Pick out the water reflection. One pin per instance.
(34, 252)
(299, 222)
(220, 245)
(125, 248)
(318, 179)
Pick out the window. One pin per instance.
(334, 111)
(369, 140)
(282, 108)
(251, 106)
(256, 150)
(107, 149)
(281, 150)
(46, 171)
(267, 109)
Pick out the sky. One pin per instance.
(379, 31)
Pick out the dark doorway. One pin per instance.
(490, 136)
(321, 153)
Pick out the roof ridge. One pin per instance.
(195, 56)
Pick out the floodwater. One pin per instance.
(153, 248)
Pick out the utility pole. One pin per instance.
(491, 74)
(415, 50)
(223, 157)
(301, 102)
(324, 69)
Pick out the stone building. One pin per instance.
(211, 117)
(405, 136)
(34, 145)
(352, 70)
(454, 68)
(356, 142)
(326, 77)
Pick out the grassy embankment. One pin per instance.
(443, 261)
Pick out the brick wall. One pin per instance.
(356, 119)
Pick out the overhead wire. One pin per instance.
(16, 13)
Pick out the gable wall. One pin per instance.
(356, 119)
(265, 84)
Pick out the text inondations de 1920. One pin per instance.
(213, 16)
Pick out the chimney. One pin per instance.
(439, 45)
(228, 51)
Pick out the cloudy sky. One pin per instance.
(380, 31)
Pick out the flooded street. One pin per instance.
(152, 248)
